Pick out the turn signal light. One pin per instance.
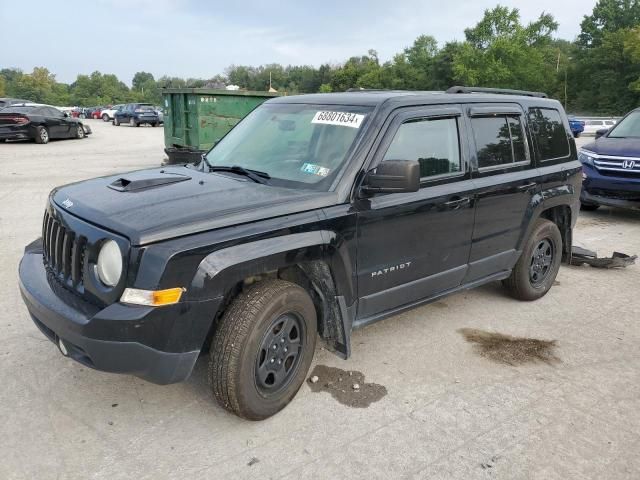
(153, 298)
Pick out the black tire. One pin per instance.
(589, 207)
(79, 131)
(105, 117)
(42, 135)
(154, 124)
(535, 272)
(241, 359)
(132, 122)
(116, 122)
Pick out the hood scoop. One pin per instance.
(138, 181)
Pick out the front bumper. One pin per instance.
(610, 190)
(158, 344)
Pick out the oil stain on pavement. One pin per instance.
(510, 350)
(347, 387)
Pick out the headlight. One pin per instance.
(110, 263)
(585, 156)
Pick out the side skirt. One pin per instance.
(362, 322)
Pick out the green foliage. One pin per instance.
(501, 52)
(608, 16)
(598, 73)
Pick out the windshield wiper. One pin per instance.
(255, 175)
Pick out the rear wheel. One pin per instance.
(154, 124)
(116, 122)
(262, 349)
(42, 135)
(538, 266)
(105, 117)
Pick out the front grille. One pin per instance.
(618, 166)
(63, 252)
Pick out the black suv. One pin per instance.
(135, 114)
(316, 214)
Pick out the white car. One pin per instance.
(108, 113)
(592, 126)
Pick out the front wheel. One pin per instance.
(79, 131)
(116, 122)
(132, 122)
(538, 266)
(262, 349)
(105, 118)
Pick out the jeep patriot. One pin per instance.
(315, 215)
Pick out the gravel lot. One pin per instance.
(448, 411)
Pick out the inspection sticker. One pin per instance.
(344, 119)
(315, 169)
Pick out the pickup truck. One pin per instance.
(315, 215)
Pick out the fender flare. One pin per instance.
(224, 268)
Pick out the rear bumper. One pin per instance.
(160, 345)
(622, 192)
(147, 120)
(18, 132)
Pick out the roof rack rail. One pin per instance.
(357, 89)
(503, 91)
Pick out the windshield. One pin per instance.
(298, 146)
(629, 127)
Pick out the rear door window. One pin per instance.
(549, 133)
(500, 141)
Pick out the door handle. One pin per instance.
(528, 186)
(457, 203)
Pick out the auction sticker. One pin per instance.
(343, 119)
(315, 169)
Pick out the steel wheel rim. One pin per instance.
(279, 354)
(541, 262)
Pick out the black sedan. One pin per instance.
(40, 123)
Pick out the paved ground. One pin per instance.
(448, 413)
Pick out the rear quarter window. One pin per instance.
(500, 141)
(549, 134)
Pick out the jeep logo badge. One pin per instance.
(628, 164)
(67, 203)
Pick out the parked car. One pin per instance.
(108, 114)
(7, 102)
(38, 122)
(160, 113)
(316, 214)
(577, 126)
(611, 166)
(592, 126)
(135, 114)
(96, 113)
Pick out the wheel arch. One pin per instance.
(310, 260)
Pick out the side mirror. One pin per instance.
(393, 176)
(601, 132)
(65, 114)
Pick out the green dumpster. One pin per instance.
(196, 118)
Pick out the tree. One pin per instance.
(140, 79)
(608, 16)
(501, 52)
(3, 86)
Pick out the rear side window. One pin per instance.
(433, 142)
(549, 133)
(499, 140)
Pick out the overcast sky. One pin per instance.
(189, 38)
